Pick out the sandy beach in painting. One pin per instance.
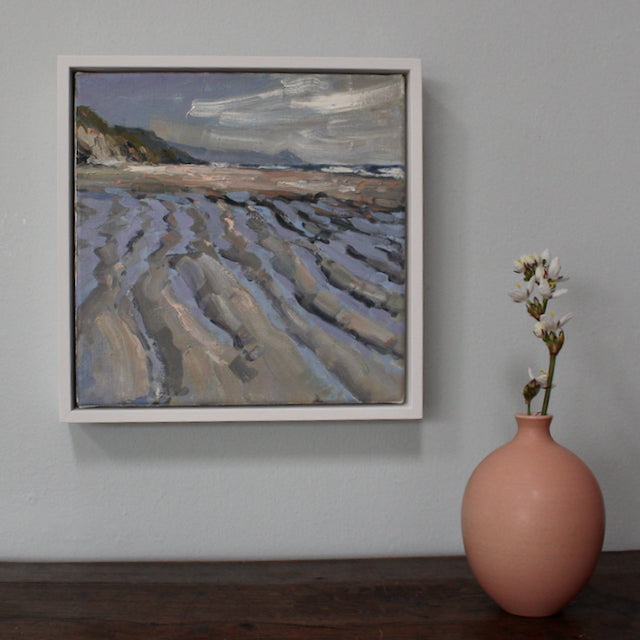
(379, 192)
(210, 285)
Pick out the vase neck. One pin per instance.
(534, 427)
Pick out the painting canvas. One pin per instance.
(238, 238)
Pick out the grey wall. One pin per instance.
(532, 139)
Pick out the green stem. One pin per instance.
(547, 391)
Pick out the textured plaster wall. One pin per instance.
(532, 139)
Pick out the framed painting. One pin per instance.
(240, 238)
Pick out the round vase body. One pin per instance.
(532, 522)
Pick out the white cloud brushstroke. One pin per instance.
(354, 100)
(322, 118)
(202, 108)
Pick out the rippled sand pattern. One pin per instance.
(192, 297)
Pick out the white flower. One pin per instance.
(548, 291)
(554, 269)
(520, 294)
(548, 323)
(542, 378)
(526, 261)
(544, 325)
(545, 288)
(545, 269)
(565, 318)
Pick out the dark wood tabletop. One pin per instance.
(393, 599)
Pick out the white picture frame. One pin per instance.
(90, 68)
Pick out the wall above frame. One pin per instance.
(240, 238)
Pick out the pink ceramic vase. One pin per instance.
(532, 522)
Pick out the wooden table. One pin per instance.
(417, 598)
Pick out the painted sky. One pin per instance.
(336, 118)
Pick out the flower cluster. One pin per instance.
(541, 278)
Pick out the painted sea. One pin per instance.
(203, 283)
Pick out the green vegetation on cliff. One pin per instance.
(99, 142)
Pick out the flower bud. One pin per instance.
(555, 342)
(531, 390)
(554, 268)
